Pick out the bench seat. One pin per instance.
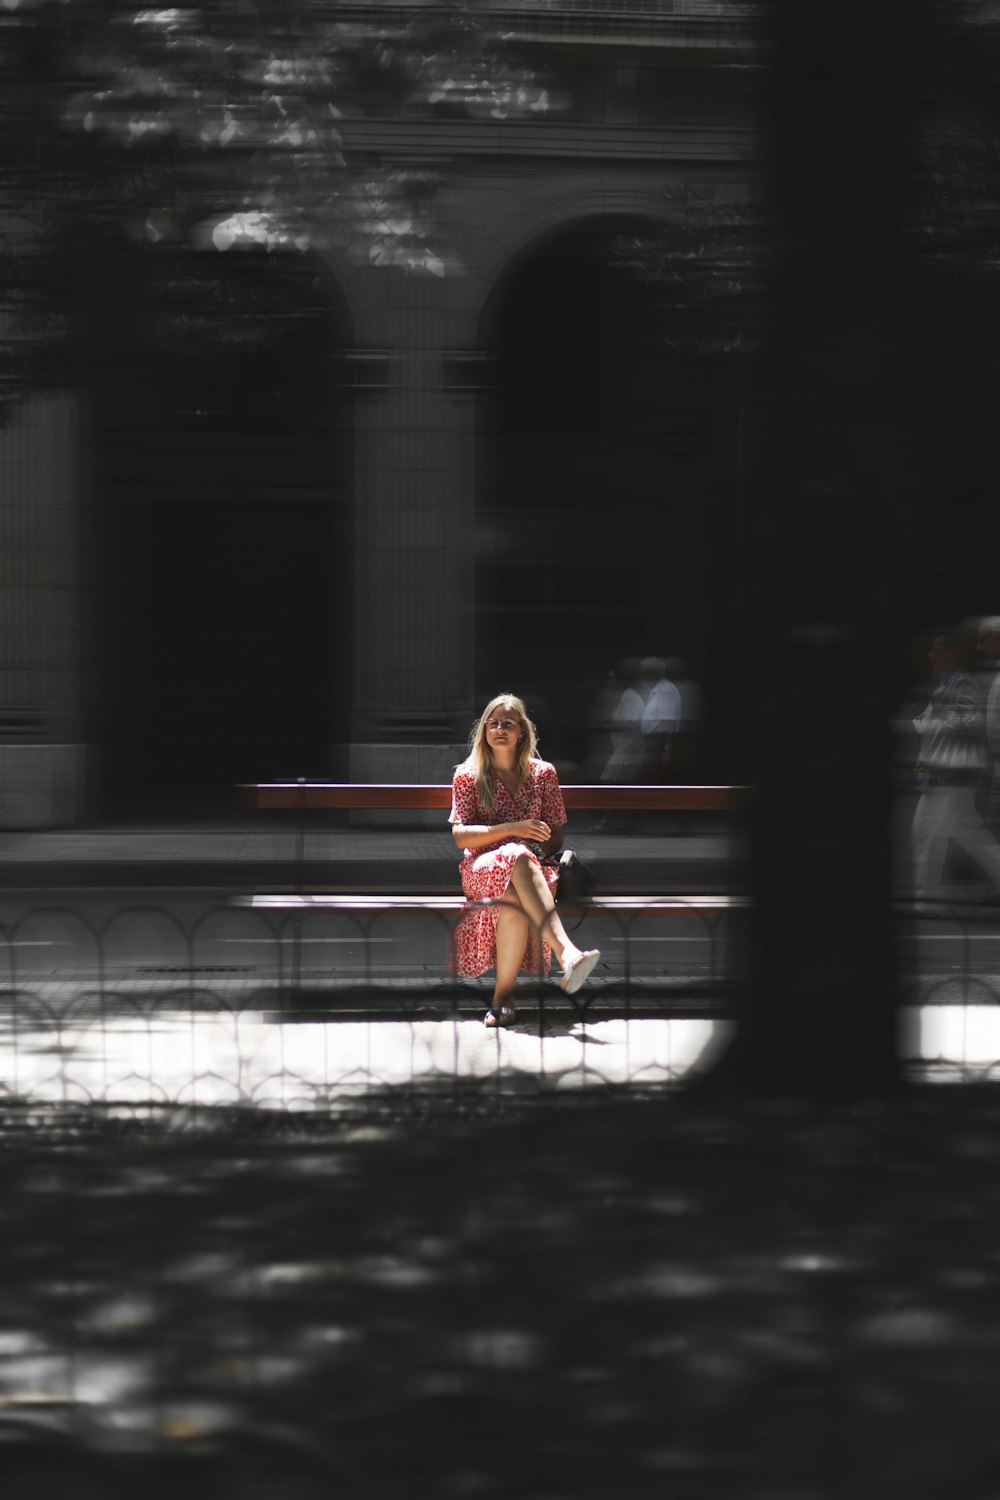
(324, 901)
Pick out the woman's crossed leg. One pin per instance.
(528, 904)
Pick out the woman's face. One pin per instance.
(503, 728)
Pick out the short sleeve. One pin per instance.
(463, 798)
(553, 807)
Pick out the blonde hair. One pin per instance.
(480, 758)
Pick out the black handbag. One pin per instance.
(577, 881)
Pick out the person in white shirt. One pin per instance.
(661, 717)
(988, 646)
(626, 759)
(684, 752)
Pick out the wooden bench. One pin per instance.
(302, 797)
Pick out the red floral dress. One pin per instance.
(486, 872)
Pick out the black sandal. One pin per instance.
(504, 1016)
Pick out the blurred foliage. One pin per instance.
(949, 280)
(957, 144)
(711, 262)
(185, 134)
(717, 257)
(191, 131)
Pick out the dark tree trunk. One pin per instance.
(821, 628)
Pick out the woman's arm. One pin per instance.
(479, 835)
(553, 810)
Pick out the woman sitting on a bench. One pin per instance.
(507, 813)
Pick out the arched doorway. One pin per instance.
(608, 481)
(222, 554)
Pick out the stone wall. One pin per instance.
(43, 756)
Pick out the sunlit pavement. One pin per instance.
(133, 1010)
(160, 993)
(217, 1059)
(135, 1061)
(187, 997)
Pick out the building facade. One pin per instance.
(319, 560)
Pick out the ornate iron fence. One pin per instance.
(309, 1009)
(949, 967)
(313, 1009)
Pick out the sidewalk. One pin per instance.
(450, 1293)
(362, 859)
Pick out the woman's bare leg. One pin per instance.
(540, 907)
(512, 939)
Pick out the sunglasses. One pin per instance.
(505, 724)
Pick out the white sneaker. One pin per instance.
(579, 971)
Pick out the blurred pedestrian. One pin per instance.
(661, 718)
(625, 763)
(951, 765)
(988, 643)
(602, 695)
(684, 752)
(507, 812)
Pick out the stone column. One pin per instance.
(413, 580)
(43, 760)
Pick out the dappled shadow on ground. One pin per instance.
(458, 1292)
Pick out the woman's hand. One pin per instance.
(532, 829)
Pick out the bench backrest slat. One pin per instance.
(386, 795)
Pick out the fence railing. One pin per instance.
(308, 1009)
(316, 1007)
(949, 971)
